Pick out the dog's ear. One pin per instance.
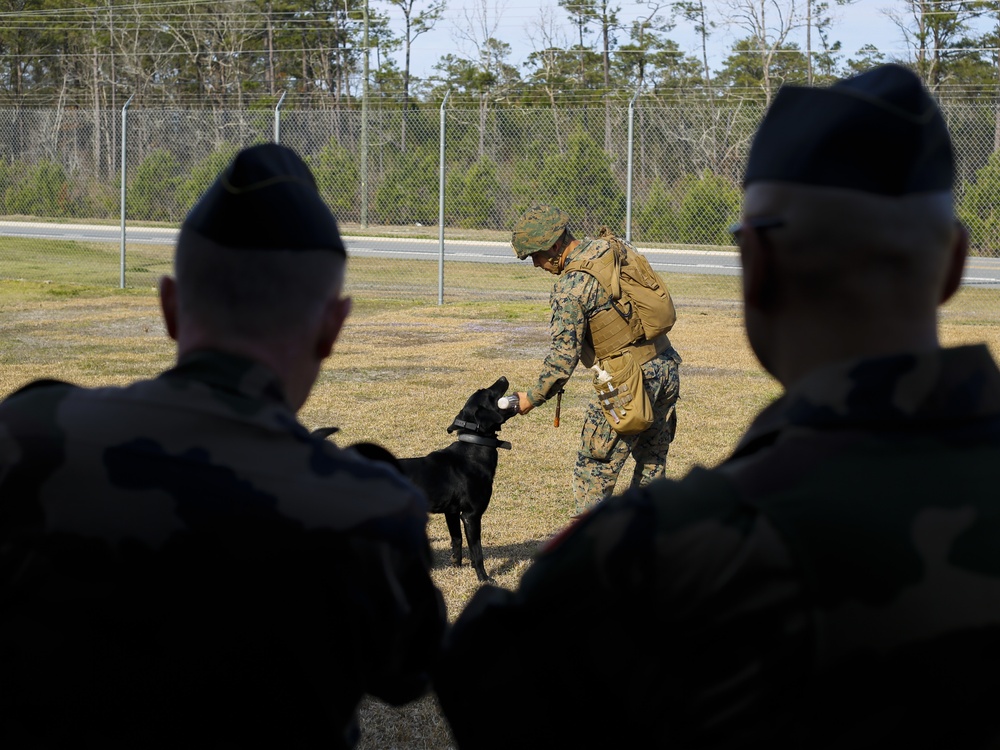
(325, 432)
(470, 409)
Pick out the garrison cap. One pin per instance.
(538, 229)
(266, 199)
(878, 132)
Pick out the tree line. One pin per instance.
(346, 53)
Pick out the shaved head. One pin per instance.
(253, 293)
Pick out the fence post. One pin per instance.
(277, 117)
(124, 140)
(629, 168)
(441, 204)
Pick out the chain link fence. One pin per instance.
(666, 177)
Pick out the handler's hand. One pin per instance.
(523, 404)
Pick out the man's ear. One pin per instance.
(334, 315)
(168, 304)
(956, 263)
(759, 280)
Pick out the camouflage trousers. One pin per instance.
(603, 451)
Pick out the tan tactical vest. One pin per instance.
(642, 310)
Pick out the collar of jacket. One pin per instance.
(229, 373)
(939, 389)
(565, 253)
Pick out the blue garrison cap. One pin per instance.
(878, 132)
(266, 199)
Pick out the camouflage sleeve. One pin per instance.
(620, 632)
(399, 636)
(572, 300)
(544, 653)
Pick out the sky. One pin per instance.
(863, 22)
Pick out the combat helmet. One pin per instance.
(538, 229)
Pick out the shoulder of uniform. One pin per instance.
(37, 385)
(594, 245)
(571, 282)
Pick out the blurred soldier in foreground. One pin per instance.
(181, 563)
(591, 325)
(835, 583)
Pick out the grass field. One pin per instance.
(400, 374)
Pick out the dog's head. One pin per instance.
(481, 413)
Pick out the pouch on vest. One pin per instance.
(622, 394)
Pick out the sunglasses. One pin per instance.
(758, 224)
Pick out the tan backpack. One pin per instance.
(637, 292)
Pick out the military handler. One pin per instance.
(181, 563)
(834, 583)
(542, 234)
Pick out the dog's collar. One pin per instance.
(490, 442)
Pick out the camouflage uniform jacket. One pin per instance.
(834, 584)
(575, 297)
(183, 564)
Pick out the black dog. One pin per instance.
(458, 480)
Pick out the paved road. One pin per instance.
(673, 261)
(86, 233)
(980, 272)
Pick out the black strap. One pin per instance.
(490, 442)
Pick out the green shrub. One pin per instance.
(526, 183)
(581, 183)
(152, 192)
(472, 196)
(656, 218)
(708, 205)
(6, 181)
(979, 208)
(44, 190)
(339, 181)
(201, 177)
(408, 193)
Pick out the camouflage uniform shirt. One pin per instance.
(833, 584)
(575, 298)
(183, 565)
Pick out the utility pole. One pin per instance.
(809, 48)
(364, 130)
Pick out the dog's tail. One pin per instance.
(375, 452)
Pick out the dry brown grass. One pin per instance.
(400, 374)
